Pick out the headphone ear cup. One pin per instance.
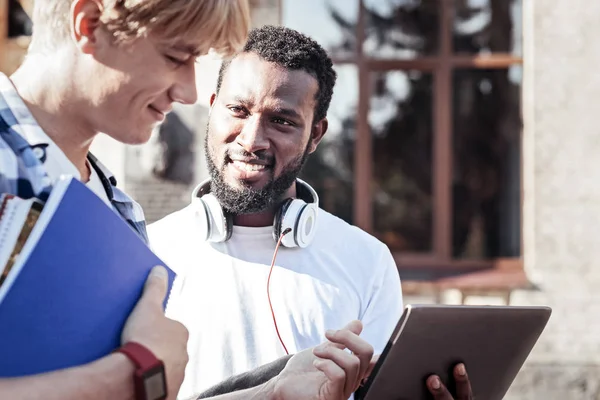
(220, 223)
(306, 225)
(300, 218)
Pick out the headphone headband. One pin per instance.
(298, 215)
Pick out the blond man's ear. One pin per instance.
(85, 21)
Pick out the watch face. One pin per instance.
(154, 384)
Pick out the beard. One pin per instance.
(248, 200)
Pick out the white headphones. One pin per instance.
(295, 214)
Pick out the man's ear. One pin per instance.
(317, 132)
(85, 21)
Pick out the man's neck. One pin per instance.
(264, 218)
(257, 220)
(49, 98)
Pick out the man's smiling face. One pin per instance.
(260, 132)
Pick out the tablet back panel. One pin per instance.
(492, 341)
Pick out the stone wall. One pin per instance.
(562, 197)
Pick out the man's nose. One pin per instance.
(184, 90)
(252, 136)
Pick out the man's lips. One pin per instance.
(245, 166)
(156, 114)
(159, 112)
(248, 169)
(245, 161)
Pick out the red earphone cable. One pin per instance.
(285, 232)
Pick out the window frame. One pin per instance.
(438, 270)
(440, 260)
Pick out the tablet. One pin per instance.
(493, 342)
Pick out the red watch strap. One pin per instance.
(143, 358)
(149, 378)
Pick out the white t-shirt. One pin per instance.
(220, 293)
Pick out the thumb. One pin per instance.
(155, 288)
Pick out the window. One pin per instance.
(424, 147)
(15, 33)
(19, 23)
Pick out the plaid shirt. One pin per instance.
(22, 171)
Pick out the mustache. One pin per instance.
(260, 156)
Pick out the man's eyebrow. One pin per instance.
(241, 100)
(288, 112)
(187, 49)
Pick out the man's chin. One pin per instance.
(251, 185)
(133, 138)
(238, 183)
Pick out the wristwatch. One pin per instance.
(149, 378)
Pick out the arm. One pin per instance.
(250, 379)
(385, 304)
(111, 377)
(107, 378)
(264, 391)
(280, 388)
(330, 371)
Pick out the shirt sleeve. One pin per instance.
(385, 304)
(248, 379)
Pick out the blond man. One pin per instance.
(116, 67)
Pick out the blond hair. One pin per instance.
(221, 25)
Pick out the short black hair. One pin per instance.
(292, 50)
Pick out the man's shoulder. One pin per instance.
(173, 237)
(21, 172)
(360, 256)
(8, 155)
(172, 228)
(172, 219)
(334, 231)
(9, 168)
(9, 152)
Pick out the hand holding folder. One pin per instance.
(73, 272)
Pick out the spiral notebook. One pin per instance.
(71, 271)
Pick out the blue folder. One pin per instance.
(70, 292)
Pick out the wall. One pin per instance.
(159, 197)
(562, 198)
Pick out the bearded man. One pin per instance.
(245, 304)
